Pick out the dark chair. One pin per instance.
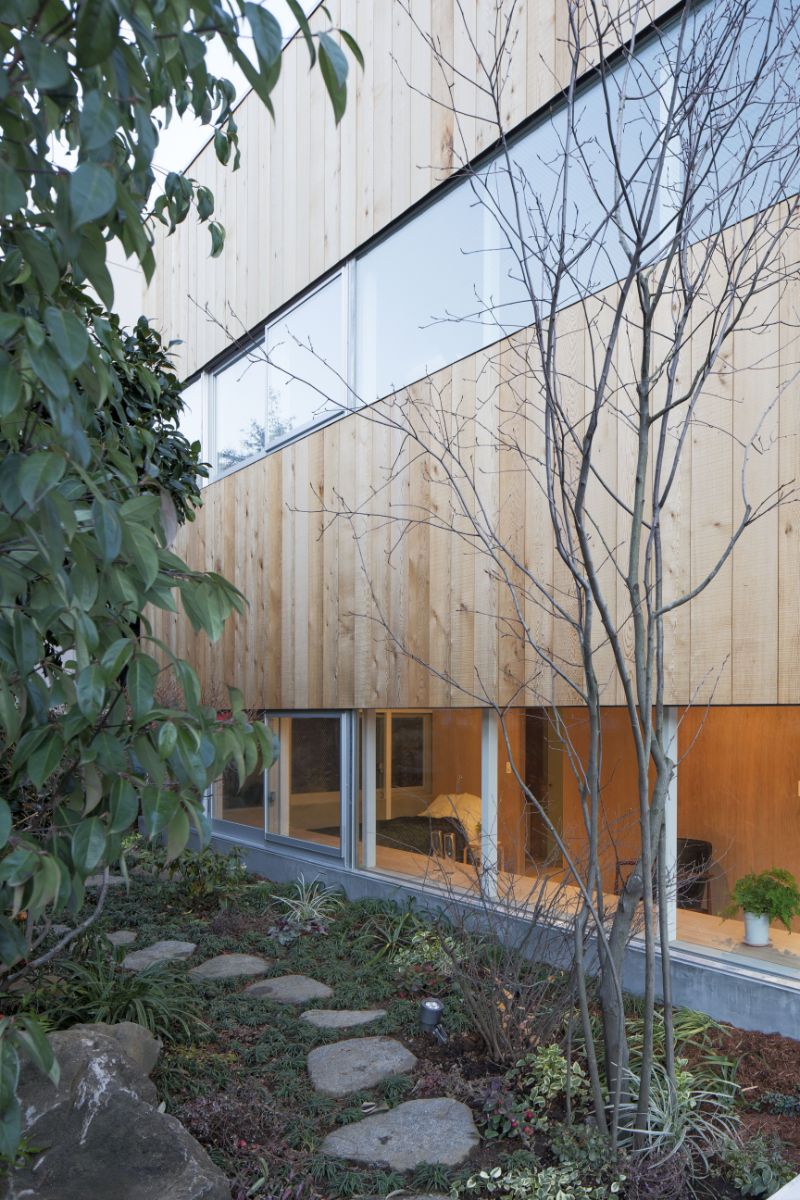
(693, 874)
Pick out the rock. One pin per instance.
(290, 989)
(343, 1067)
(417, 1132)
(141, 1047)
(159, 952)
(341, 1018)
(98, 1134)
(96, 881)
(228, 966)
(122, 937)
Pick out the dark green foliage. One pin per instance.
(779, 1103)
(772, 893)
(208, 880)
(94, 986)
(99, 725)
(757, 1168)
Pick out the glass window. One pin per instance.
(240, 411)
(304, 785)
(307, 364)
(421, 811)
(738, 790)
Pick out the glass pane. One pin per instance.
(737, 815)
(307, 367)
(428, 805)
(305, 783)
(240, 392)
(244, 805)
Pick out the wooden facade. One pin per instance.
(346, 543)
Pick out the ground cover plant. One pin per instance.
(233, 1069)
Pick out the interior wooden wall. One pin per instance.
(308, 193)
(739, 789)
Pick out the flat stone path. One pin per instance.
(349, 1066)
(290, 989)
(122, 937)
(341, 1018)
(419, 1131)
(158, 952)
(230, 966)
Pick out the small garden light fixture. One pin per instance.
(430, 1020)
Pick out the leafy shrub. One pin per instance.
(688, 1119)
(427, 960)
(521, 1104)
(309, 909)
(98, 988)
(773, 893)
(756, 1168)
(392, 928)
(546, 1183)
(207, 879)
(779, 1103)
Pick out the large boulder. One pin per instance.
(141, 1047)
(98, 1133)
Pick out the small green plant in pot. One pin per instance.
(769, 896)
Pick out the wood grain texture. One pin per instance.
(308, 193)
(380, 572)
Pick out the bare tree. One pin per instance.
(648, 227)
(651, 228)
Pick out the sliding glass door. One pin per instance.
(300, 799)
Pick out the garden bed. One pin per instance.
(235, 1073)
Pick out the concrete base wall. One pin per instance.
(750, 999)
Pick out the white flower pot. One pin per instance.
(756, 929)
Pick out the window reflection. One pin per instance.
(240, 408)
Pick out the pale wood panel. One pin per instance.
(323, 588)
(308, 194)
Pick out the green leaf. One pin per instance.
(10, 1114)
(123, 806)
(100, 119)
(90, 691)
(44, 761)
(37, 1047)
(10, 390)
(70, 336)
(107, 529)
(92, 193)
(141, 545)
(46, 65)
(39, 256)
(353, 47)
(96, 32)
(167, 739)
(266, 33)
(39, 473)
(5, 822)
(141, 684)
(12, 193)
(333, 65)
(177, 834)
(88, 845)
(18, 866)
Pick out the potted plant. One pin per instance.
(769, 896)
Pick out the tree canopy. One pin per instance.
(93, 468)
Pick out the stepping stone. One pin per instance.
(357, 1063)
(416, 1132)
(122, 937)
(341, 1018)
(159, 952)
(290, 989)
(96, 881)
(229, 966)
